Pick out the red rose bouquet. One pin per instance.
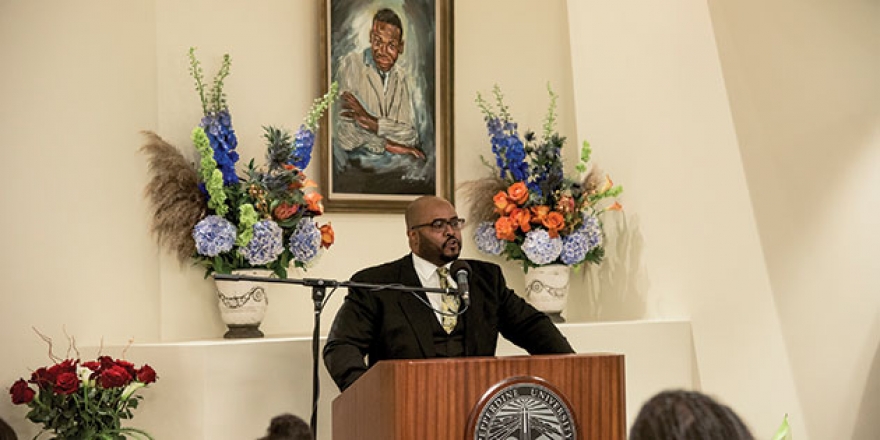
(84, 400)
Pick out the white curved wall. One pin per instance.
(695, 146)
(650, 94)
(805, 96)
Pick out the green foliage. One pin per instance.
(320, 106)
(550, 120)
(247, 218)
(195, 70)
(784, 431)
(218, 97)
(215, 100)
(586, 152)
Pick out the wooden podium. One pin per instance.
(578, 396)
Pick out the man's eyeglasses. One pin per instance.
(441, 223)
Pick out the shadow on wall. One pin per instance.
(865, 427)
(617, 288)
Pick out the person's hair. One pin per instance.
(288, 427)
(388, 16)
(6, 432)
(687, 415)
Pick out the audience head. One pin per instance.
(687, 415)
(6, 432)
(288, 427)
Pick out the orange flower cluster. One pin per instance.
(514, 215)
(327, 236)
(312, 203)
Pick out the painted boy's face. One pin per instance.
(386, 44)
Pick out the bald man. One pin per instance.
(394, 324)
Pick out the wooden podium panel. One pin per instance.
(434, 399)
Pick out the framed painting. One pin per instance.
(388, 137)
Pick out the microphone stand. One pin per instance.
(319, 297)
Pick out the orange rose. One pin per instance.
(553, 222)
(285, 210)
(327, 236)
(522, 217)
(502, 203)
(314, 202)
(505, 228)
(539, 212)
(518, 193)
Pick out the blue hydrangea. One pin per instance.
(214, 235)
(305, 242)
(592, 230)
(266, 245)
(302, 151)
(486, 239)
(540, 248)
(574, 249)
(218, 128)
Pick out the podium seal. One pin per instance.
(522, 408)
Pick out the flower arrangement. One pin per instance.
(84, 400)
(537, 214)
(261, 219)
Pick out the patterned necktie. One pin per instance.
(450, 301)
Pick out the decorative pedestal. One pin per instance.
(547, 289)
(243, 304)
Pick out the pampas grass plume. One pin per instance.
(175, 199)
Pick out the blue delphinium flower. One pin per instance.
(486, 239)
(302, 151)
(305, 240)
(266, 245)
(214, 235)
(218, 127)
(508, 149)
(540, 248)
(516, 155)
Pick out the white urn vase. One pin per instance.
(243, 303)
(547, 289)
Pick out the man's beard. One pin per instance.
(453, 255)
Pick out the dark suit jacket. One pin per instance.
(392, 324)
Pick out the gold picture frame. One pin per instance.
(388, 138)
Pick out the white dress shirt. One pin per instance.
(428, 276)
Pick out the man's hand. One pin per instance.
(352, 108)
(395, 148)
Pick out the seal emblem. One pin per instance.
(524, 409)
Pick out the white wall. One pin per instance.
(78, 82)
(782, 335)
(805, 95)
(650, 94)
(81, 80)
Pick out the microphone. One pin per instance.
(461, 271)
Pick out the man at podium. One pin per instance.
(399, 324)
